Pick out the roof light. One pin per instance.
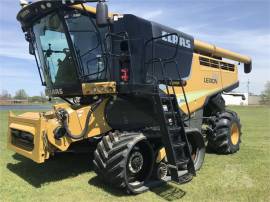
(49, 5)
(24, 3)
(42, 6)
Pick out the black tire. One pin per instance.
(227, 133)
(197, 152)
(161, 170)
(112, 161)
(197, 148)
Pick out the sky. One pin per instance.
(239, 25)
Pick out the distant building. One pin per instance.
(236, 100)
(12, 101)
(254, 100)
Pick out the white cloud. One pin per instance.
(9, 72)
(13, 45)
(152, 14)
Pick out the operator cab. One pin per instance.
(68, 46)
(77, 48)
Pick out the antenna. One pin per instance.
(248, 82)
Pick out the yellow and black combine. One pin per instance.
(146, 97)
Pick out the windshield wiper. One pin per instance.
(49, 51)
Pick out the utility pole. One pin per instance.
(248, 87)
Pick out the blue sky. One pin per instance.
(238, 25)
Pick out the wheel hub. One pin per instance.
(162, 171)
(234, 134)
(135, 162)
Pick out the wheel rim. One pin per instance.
(194, 152)
(194, 155)
(162, 171)
(135, 163)
(234, 134)
(138, 165)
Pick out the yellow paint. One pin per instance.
(89, 9)
(197, 90)
(161, 155)
(221, 52)
(99, 88)
(235, 133)
(43, 125)
(77, 118)
(34, 126)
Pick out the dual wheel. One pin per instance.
(126, 161)
(227, 133)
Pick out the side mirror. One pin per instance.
(31, 49)
(102, 14)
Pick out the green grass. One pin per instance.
(240, 177)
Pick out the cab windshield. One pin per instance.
(54, 53)
(56, 58)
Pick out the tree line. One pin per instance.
(22, 95)
(265, 96)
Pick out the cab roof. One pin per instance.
(32, 12)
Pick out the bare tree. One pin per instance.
(266, 94)
(5, 95)
(21, 94)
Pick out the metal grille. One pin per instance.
(216, 64)
(22, 139)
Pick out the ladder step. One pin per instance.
(183, 162)
(174, 129)
(162, 95)
(179, 144)
(170, 113)
(174, 137)
(185, 178)
(182, 177)
(166, 98)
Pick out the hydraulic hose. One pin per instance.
(64, 120)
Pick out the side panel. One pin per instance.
(130, 113)
(39, 127)
(77, 118)
(30, 123)
(204, 81)
(229, 77)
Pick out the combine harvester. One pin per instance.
(146, 97)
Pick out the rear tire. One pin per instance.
(197, 152)
(124, 160)
(227, 133)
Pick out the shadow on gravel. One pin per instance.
(59, 167)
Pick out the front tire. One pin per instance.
(227, 133)
(125, 161)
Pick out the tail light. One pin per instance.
(124, 74)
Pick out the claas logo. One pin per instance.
(174, 39)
